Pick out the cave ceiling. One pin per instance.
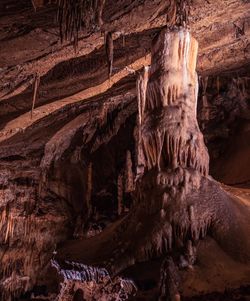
(31, 47)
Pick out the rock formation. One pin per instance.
(105, 189)
(176, 202)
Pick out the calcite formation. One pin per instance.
(170, 133)
(94, 283)
(175, 156)
(105, 188)
(176, 202)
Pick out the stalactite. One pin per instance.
(3, 217)
(34, 6)
(8, 219)
(43, 180)
(103, 114)
(120, 206)
(36, 86)
(109, 47)
(12, 226)
(173, 151)
(142, 81)
(74, 15)
(101, 4)
(129, 173)
(205, 111)
(89, 189)
(204, 83)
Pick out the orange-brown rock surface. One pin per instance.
(68, 166)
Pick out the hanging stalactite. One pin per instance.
(205, 110)
(7, 224)
(129, 173)
(109, 47)
(100, 12)
(76, 15)
(142, 81)
(35, 92)
(3, 217)
(10, 227)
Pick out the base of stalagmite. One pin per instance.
(217, 267)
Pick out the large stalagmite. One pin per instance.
(175, 156)
(171, 137)
(176, 202)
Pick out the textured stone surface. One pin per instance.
(82, 117)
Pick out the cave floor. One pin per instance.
(215, 276)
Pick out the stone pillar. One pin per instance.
(171, 137)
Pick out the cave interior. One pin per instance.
(124, 150)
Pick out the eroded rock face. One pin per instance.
(59, 198)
